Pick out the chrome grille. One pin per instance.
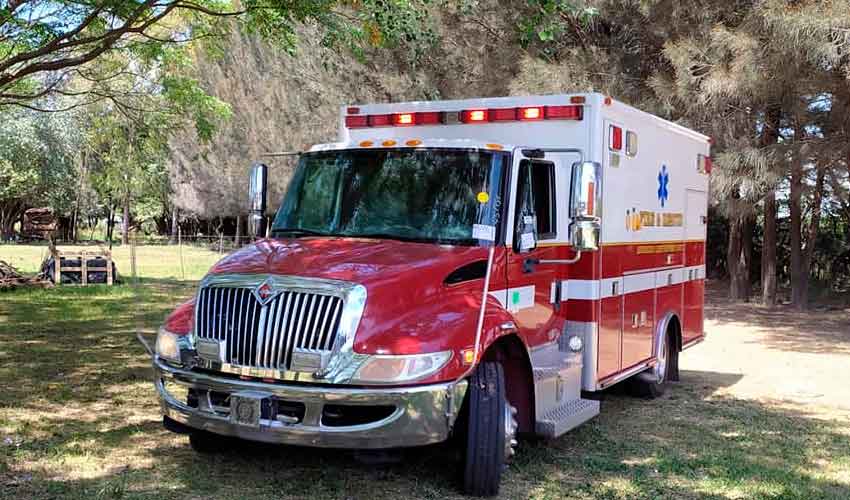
(264, 336)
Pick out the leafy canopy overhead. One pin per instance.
(49, 47)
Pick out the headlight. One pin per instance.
(389, 369)
(168, 345)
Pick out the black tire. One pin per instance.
(208, 443)
(484, 456)
(649, 384)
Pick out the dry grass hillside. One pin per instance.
(284, 103)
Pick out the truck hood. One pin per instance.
(409, 307)
(367, 262)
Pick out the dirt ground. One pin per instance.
(783, 357)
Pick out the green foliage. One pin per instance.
(549, 22)
(189, 99)
(61, 39)
(36, 161)
(127, 160)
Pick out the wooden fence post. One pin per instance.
(180, 250)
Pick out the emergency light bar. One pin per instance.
(530, 113)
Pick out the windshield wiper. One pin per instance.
(390, 236)
(298, 230)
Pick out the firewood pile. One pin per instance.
(39, 223)
(11, 278)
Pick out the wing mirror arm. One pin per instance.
(257, 194)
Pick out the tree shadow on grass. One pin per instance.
(815, 331)
(691, 443)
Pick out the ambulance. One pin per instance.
(470, 271)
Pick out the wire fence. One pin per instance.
(144, 257)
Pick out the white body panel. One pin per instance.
(630, 183)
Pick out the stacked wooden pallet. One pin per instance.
(11, 278)
(81, 262)
(39, 223)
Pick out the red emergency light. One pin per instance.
(503, 115)
(356, 121)
(380, 120)
(564, 113)
(616, 140)
(531, 114)
(469, 116)
(403, 119)
(428, 118)
(474, 116)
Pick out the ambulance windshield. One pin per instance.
(451, 196)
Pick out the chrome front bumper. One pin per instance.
(422, 414)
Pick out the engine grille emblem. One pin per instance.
(264, 293)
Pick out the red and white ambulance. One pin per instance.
(470, 269)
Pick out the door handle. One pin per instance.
(557, 304)
(528, 265)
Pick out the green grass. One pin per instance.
(153, 262)
(79, 420)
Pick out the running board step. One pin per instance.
(568, 416)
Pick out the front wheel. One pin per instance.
(490, 433)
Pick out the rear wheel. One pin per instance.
(653, 382)
(491, 431)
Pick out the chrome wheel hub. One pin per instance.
(510, 431)
(661, 362)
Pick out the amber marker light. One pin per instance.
(498, 147)
(413, 143)
(366, 144)
(388, 143)
(468, 356)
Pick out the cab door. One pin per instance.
(538, 232)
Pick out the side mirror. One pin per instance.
(257, 195)
(586, 206)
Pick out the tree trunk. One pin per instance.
(794, 200)
(769, 136)
(175, 224)
(110, 223)
(747, 231)
(735, 260)
(125, 222)
(811, 239)
(9, 213)
(768, 253)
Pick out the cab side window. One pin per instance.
(536, 189)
